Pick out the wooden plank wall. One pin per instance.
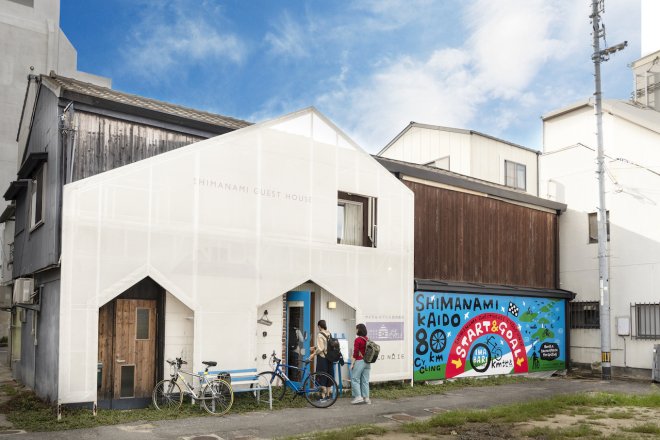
(471, 238)
(103, 143)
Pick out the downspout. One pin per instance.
(67, 142)
(538, 174)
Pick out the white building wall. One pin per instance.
(633, 200)
(423, 145)
(489, 156)
(179, 330)
(650, 31)
(228, 225)
(470, 154)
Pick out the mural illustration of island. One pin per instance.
(466, 335)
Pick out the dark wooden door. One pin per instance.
(134, 351)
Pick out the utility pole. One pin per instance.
(597, 8)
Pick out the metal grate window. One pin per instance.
(585, 314)
(646, 320)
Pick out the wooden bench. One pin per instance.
(247, 381)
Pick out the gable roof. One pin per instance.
(73, 88)
(438, 175)
(453, 130)
(637, 114)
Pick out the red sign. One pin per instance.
(485, 324)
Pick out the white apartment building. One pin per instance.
(631, 133)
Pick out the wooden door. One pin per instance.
(134, 348)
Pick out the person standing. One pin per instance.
(360, 370)
(319, 351)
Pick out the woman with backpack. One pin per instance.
(359, 368)
(319, 351)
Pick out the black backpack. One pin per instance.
(332, 351)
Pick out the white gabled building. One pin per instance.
(631, 131)
(222, 250)
(466, 152)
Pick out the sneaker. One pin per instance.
(357, 400)
(367, 401)
(323, 400)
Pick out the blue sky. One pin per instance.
(371, 66)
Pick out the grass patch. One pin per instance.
(25, 411)
(349, 433)
(398, 390)
(534, 410)
(579, 431)
(620, 415)
(647, 428)
(8, 390)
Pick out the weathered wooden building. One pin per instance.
(70, 130)
(470, 230)
(488, 252)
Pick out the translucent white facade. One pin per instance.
(227, 226)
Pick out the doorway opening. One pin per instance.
(131, 343)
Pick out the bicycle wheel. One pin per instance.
(320, 390)
(167, 395)
(217, 397)
(278, 389)
(438, 340)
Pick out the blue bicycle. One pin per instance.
(320, 389)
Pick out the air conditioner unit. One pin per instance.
(23, 289)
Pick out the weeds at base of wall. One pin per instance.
(26, 411)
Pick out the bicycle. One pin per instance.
(494, 349)
(320, 389)
(216, 395)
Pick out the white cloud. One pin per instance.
(288, 38)
(172, 38)
(505, 69)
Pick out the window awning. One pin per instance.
(8, 213)
(15, 188)
(31, 163)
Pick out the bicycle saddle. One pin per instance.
(210, 363)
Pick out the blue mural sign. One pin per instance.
(463, 335)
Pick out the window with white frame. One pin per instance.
(515, 175)
(37, 197)
(593, 226)
(356, 219)
(646, 320)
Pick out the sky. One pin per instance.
(372, 66)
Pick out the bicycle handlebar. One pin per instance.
(276, 359)
(178, 362)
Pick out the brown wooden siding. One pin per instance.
(471, 238)
(103, 143)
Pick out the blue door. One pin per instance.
(298, 334)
